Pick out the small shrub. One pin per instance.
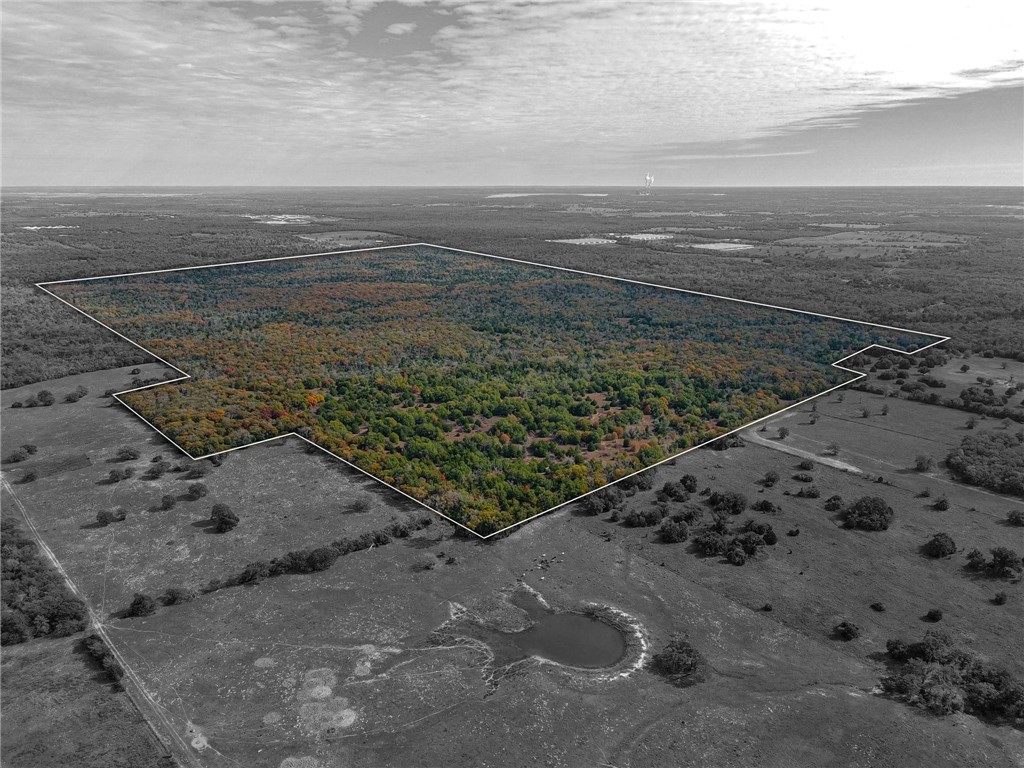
(765, 506)
(358, 507)
(76, 394)
(673, 531)
(1000, 598)
(127, 453)
(975, 560)
(801, 477)
(710, 543)
(141, 605)
(878, 607)
(45, 397)
(939, 545)
(728, 501)
(941, 504)
(783, 433)
(1015, 517)
(196, 491)
(16, 404)
(934, 615)
(678, 661)
(18, 454)
(29, 477)
(177, 595)
(30, 449)
(770, 479)
(223, 517)
(736, 556)
(809, 492)
(868, 513)
(167, 502)
(689, 483)
(847, 630)
(923, 463)
(107, 516)
(806, 465)
(833, 503)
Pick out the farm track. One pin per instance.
(156, 718)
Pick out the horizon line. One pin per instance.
(505, 186)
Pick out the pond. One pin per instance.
(566, 638)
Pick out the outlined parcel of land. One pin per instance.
(490, 390)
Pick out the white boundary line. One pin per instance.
(858, 375)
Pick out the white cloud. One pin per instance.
(401, 28)
(552, 83)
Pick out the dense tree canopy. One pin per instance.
(487, 389)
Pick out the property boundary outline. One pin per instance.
(836, 364)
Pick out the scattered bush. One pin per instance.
(198, 471)
(107, 516)
(833, 503)
(45, 397)
(177, 595)
(223, 518)
(673, 492)
(878, 607)
(770, 479)
(678, 662)
(93, 644)
(923, 463)
(167, 502)
(674, 530)
(117, 475)
(943, 678)
(689, 483)
(1000, 598)
(847, 630)
(76, 394)
(127, 453)
(16, 404)
(941, 504)
(806, 465)
(1015, 517)
(868, 513)
(359, 507)
(808, 492)
(30, 449)
(604, 500)
(141, 605)
(645, 518)
(710, 543)
(765, 506)
(801, 477)
(196, 491)
(1004, 564)
(18, 454)
(783, 433)
(728, 501)
(934, 614)
(939, 545)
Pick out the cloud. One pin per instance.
(400, 28)
(343, 87)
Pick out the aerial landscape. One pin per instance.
(451, 444)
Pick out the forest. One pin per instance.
(487, 389)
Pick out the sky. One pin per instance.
(512, 92)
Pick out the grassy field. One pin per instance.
(342, 667)
(61, 711)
